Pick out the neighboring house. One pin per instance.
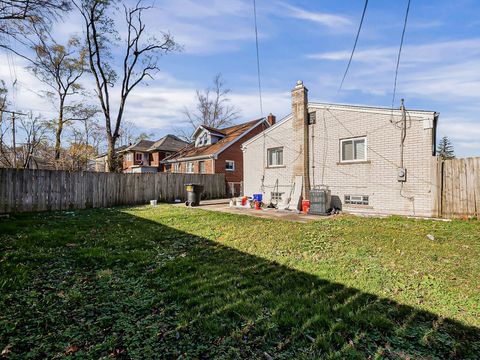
(146, 156)
(215, 151)
(354, 150)
(100, 162)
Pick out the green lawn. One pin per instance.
(170, 282)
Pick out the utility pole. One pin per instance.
(14, 145)
(13, 141)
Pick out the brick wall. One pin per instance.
(209, 166)
(376, 178)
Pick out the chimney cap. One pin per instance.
(299, 82)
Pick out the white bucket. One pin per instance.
(153, 202)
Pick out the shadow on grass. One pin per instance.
(106, 283)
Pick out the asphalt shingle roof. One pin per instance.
(231, 133)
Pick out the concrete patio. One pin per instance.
(222, 205)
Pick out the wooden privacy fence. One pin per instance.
(46, 190)
(460, 187)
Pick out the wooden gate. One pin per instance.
(460, 188)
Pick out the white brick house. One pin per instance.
(354, 150)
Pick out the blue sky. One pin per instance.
(311, 41)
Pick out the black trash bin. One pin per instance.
(194, 191)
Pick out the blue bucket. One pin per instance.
(257, 197)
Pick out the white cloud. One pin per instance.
(329, 20)
(204, 28)
(160, 108)
(445, 75)
(438, 52)
(447, 68)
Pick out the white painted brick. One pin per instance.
(377, 179)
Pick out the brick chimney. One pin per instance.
(300, 135)
(271, 119)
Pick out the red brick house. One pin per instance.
(146, 156)
(215, 151)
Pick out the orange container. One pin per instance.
(305, 206)
(244, 200)
(258, 205)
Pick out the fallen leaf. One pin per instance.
(71, 349)
(6, 351)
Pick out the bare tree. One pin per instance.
(213, 107)
(31, 9)
(85, 141)
(33, 130)
(140, 60)
(129, 134)
(18, 16)
(60, 67)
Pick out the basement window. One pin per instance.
(353, 149)
(276, 196)
(356, 200)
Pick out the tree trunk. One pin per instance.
(58, 133)
(111, 158)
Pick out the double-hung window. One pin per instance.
(354, 149)
(176, 167)
(138, 157)
(201, 167)
(190, 167)
(275, 157)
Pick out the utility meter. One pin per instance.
(402, 175)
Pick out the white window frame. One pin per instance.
(229, 162)
(192, 169)
(130, 156)
(200, 168)
(202, 139)
(176, 167)
(268, 157)
(353, 139)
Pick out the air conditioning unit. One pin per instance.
(320, 201)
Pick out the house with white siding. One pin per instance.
(373, 159)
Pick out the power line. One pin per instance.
(258, 58)
(354, 46)
(400, 53)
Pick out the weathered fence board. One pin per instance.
(460, 187)
(45, 190)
